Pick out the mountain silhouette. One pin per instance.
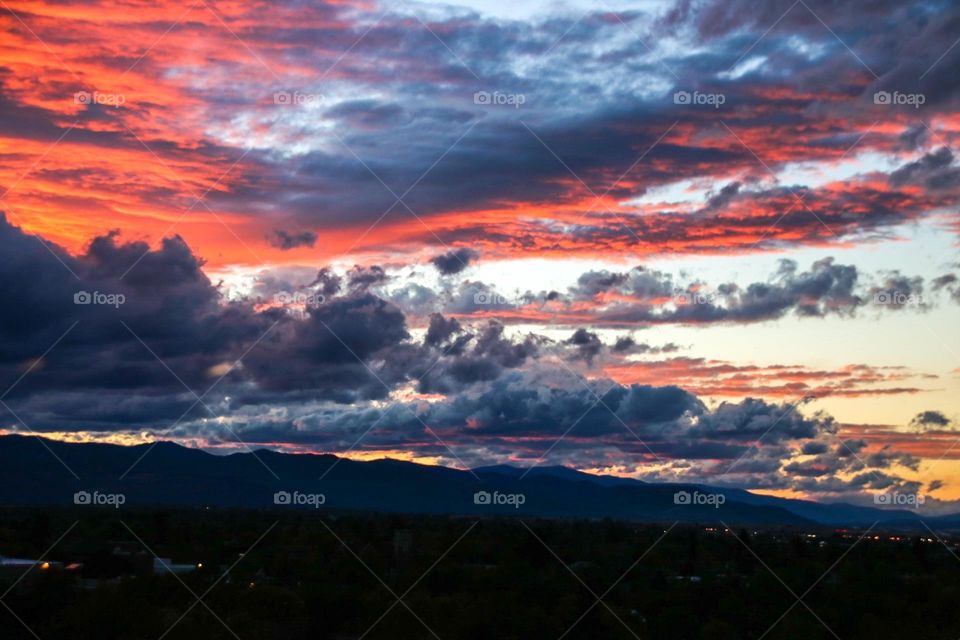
(40, 472)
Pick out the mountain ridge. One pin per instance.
(168, 474)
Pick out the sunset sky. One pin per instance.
(713, 241)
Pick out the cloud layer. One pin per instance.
(334, 366)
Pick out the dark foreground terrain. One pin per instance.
(313, 574)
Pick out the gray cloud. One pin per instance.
(285, 240)
(454, 261)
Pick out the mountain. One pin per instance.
(169, 474)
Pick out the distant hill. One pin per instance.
(169, 474)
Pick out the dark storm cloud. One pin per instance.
(454, 261)
(407, 121)
(173, 327)
(311, 378)
(814, 448)
(907, 44)
(949, 283)
(671, 421)
(361, 278)
(587, 344)
(327, 282)
(722, 198)
(898, 291)
(522, 414)
(174, 332)
(110, 410)
(492, 343)
(930, 420)
(500, 161)
(849, 458)
(627, 345)
(647, 296)
(369, 114)
(285, 240)
(515, 406)
(441, 330)
(327, 353)
(828, 288)
(161, 295)
(750, 418)
(638, 281)
(472, 357)
(934, 171)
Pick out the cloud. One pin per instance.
(723, 197)
(898, 292)
(950, 283)
(102, 307)
(643, 296)
(441, 330)
(362, 278)
(626, 345)
(724, 379)
(526, 414)
(348, 365)
(930, 420)
(559, 177)
(648, 296)
(512, 179)
(333, 351)
(934, 171)
(454, 261)
(285, 240)
(587, 344)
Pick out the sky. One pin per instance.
(672, 240)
